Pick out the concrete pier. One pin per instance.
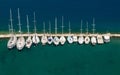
(66, 34)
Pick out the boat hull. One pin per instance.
(44, 40)
(12, 42)
(81, 40)
(20, 43)
(35, 39)
(28, 42)
(106, 38)
(56, 40)
(62, 40)
(70, 39)
(100, 39)
(50, 40)
(75, 38)
(87, 40)
(93, 40)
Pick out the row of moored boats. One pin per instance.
(20, 42)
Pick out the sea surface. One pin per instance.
(70, 59)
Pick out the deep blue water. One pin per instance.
(106, 12)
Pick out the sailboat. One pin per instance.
(44, 37)
(106, 38)
(13, 39)
(50, 38)
(62, 38)
(35, 38)
(81, 38)
(87, 38)
(69, 38)
(93, 38)
(29, 39)
(21, 41)
(56, 40)
(75, 38)
(100, 39)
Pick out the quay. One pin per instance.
(2, 36)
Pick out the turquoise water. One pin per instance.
(70, 59)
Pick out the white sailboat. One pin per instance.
(87, 38)
(93, 38)
(50, 38)
(70, 38)
(56, 40)
(75, 38)
(81, 38)
(62, 38)
(29, 39)
(106, 38)
(100, 39)
(13, 39)
(44, 37)
(21, 41)
(35, 38)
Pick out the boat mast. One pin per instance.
(55, 25)
(34, 22)
(93, 26)
(44, 27)
(11, 21)
(69, 27)
(62, 24)
(81, 26)
(19, 21)
(49, 27)
(87, 27)
(9, 28)
(27, 23)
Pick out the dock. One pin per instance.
(2, 36)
